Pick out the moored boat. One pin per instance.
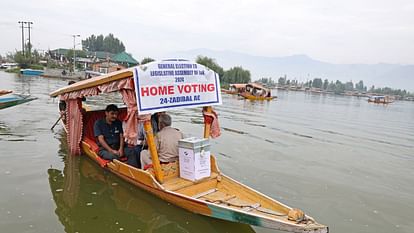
(62, 73)
(8, 65)
(11, 100)
(31, 72)
(153, 88)
(380, 99)
(235, 88)
(255, 91)
(5, 92)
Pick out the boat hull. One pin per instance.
(147, 181)
(5, 92)
(13, 100)
(31, 72)
(379, 101)
(230, 92)
(252, 97)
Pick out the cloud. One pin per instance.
(344, 32)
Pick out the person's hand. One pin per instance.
(121, 153)
(115, 152)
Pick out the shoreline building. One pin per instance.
(97, 61)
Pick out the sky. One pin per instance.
(342, 32)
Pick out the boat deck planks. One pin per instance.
(177, 183)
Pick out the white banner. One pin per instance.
(175, 83)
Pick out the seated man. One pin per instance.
(109, 134)
(166, 142)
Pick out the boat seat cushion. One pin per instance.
(90, 117)
(89, 121)
(92, 144)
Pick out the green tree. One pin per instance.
(35, 57)
(236, 75)
(325, 84)
(146, 60)
(317, 83)
(349, 86)
(21, 59)
(360, 86)
(281, 81)
(108, 43)
(210, 63)
(331, 86)
(339, 87)
(267, 81)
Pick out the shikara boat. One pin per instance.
(31, 72)
(380, 99)
(11, 100)
(4, 92)
(236, 88)
(218, 195)
(255, 91)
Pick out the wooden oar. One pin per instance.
(56, 122)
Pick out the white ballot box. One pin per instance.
(194, 158)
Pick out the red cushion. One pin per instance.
(92, 144)
(89, 119)
(148, 166)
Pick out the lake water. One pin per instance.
(347, 163)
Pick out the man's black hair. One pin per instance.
(111, 108)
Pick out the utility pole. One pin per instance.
(74, 51)
(30, 43)
(21, 22)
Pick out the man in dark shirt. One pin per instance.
(109, 134)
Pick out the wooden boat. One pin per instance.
(255, 91)
(216, 196)
(236, 88)
(4, 92)
(8, 65)
(69, 187)
(380, 99)
(31, 72)
(11, 100)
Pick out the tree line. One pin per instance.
(234, 75)
(108, 43)
(339, 87)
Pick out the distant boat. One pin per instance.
(62, 73)
(380, 99)
(8, 65)
(5, 92)
(90, 74)
(235, 88)
(255, 91)
(11, 100)
(31, 72)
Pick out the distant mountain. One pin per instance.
(303, 67)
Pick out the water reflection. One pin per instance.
(88, 199)
(8, 135)
(23, 83)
